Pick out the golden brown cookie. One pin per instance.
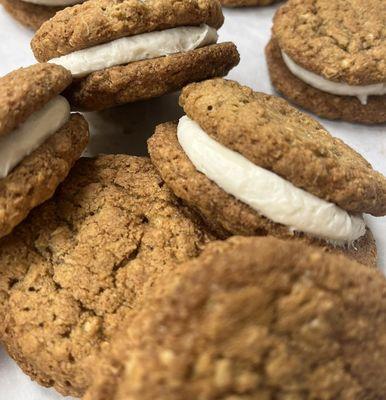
(324, 55)
(43, 164)
(326, 105)
(254, 318)
(99, 32)
(246, 3)
(29, 14)
(223, 212)
(147, 79)
(80, 263)
(269, 133)
(68, 32)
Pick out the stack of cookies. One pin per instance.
(234, 262)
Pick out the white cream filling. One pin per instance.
(264, 191)
(15, 146)
(54, 3)
(135, 48)
(340, 89)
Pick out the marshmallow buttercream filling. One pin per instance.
(325, 85)
(15, 146)
(136, 48)
(266, 192)
(54, 3)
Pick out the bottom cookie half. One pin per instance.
(325, 105)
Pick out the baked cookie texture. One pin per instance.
(29, 14)
(224, 213)
(347, 108)
(70, 31)
(26, 90)
(36, 177)
(246, 3)
(343, 41)
(80, 263)
(254, 318)
(147, 79)
(272, 134)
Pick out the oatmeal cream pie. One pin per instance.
(330, 57)
(39, 139)
(80, 262)
(33, 13)
(254, 318)
(122, 51)
(253, 165)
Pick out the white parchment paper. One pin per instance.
(125, 129)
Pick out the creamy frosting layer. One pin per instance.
(266, 192)
(340, 89)
(54, 3)
(135, 48)
(15, 146)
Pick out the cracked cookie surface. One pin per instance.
(100, 21)
(254, 318)
(343, 41)
(81, 261)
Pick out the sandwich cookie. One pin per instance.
(33, 13)
(253, 165)
(79, 264)
(254, 318)
(123, 51)
(246, 3)
(39, 139)
(329, 57)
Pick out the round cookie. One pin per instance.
(254, 318)
(329, 57)
(271, 134)
(125, 64)
(31, 175)
(80, 263)
(324, 104)
(246, 3)
(29, 14)
(112, 86)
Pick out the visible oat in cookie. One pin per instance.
(37, 150)
(130, 50)
(329, 57)
(254, 318)
(79, 264)
(263, 145)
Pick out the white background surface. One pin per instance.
(125, 129)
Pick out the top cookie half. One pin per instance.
(100, 21)
(270, 133)
(26, 90)
(342, 41)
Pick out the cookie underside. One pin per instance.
(147, 79)
(29, 14)
(227, 215)
(37, 176)
(81, 261)
(347, 108)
